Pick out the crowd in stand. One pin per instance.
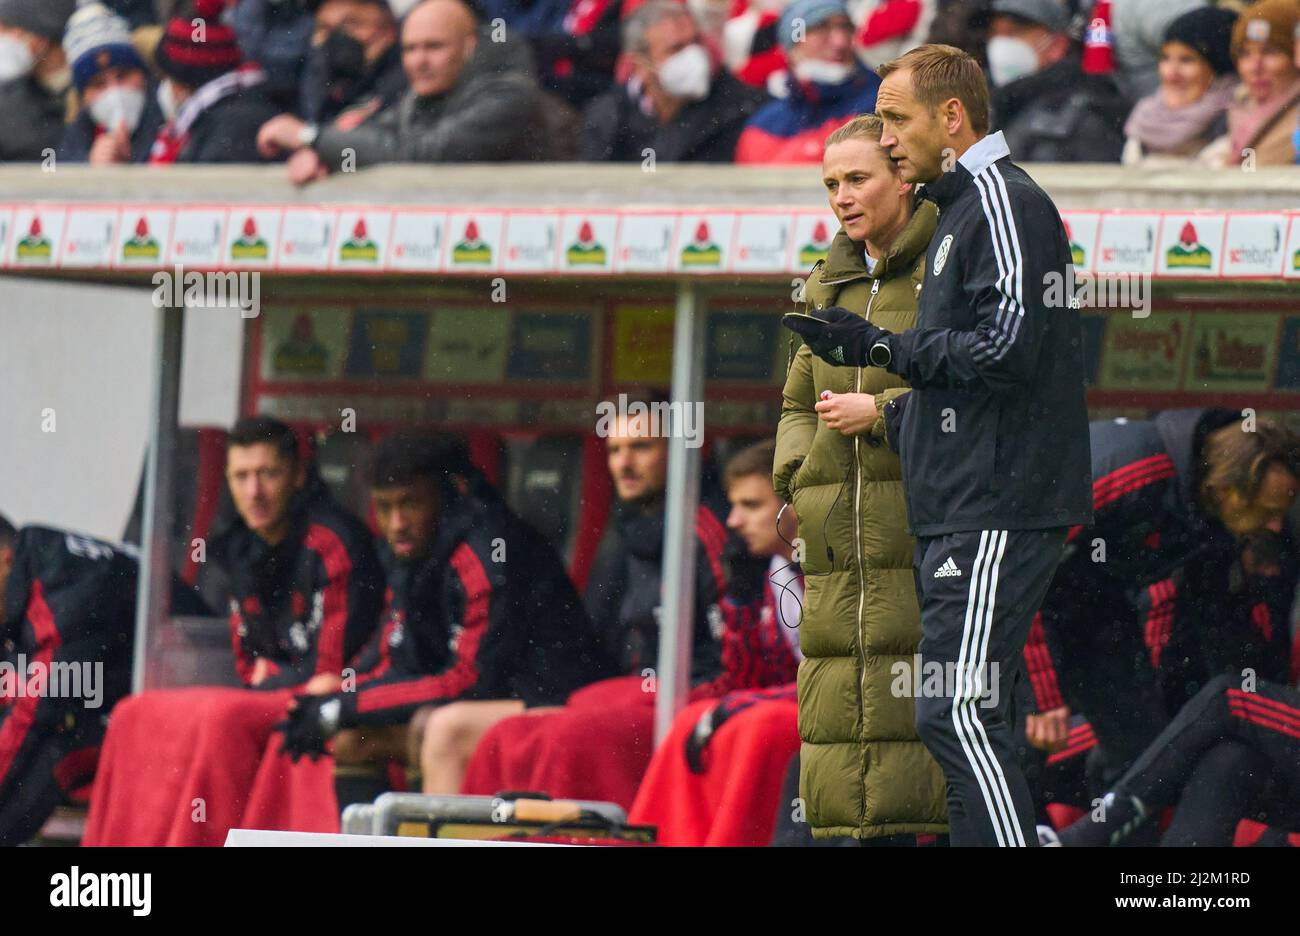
(335, 85)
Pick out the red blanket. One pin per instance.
(184, 766)
(734, 802)
(596, 748)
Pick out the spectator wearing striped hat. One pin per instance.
(212, 100)
(34, 76)
(119, 116)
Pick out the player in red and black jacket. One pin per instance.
(479, 606)
(301, 574)
(67, 619)
(1172, 497)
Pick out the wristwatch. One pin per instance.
(880, 355)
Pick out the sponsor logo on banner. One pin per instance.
(35, 246)
(88, 238)
(588, 241)
(417, 240)
(815, 249)
(471, 248)
(1078, 256)
(1292, 250)
(813, 234)
(1254, 245)
(361, 239)
(249, 245)
(1127, 244)
(1081, 234)
(762, 242)
(1144, 353)
(305, 237)
(586, 250)
(141, 245)
(1189, 252)
(704, 242)
(143, 236)
(645, 242)
(1232, 351)
(196, 236)
(702, 251)
(1189, 246)
(359, 247)
(531, 242)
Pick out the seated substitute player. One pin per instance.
(1173, 497)
(479, 607)
(598, 745)
(1230, 752)
(304, 584)
(713, 785)
(67, 620)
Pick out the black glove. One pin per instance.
(698, 740)
(712, 720)
(838, 336)
(314, 720)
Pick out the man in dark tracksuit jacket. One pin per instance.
(992, 437)
(461, 625)
(68, 603)
(623, 590)
(479, 608)
(1150, 526)
(307, 604)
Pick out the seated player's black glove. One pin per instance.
(699, 737)
(314, 720)
(838, 336)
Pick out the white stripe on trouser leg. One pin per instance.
(980, 667)
(967, 699)
(979, 767)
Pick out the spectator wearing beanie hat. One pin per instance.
(213, 102)
(119, 115)
(824, 87)
(34, 76)
(1182, 120)
(1262, 118)
(1138, 28)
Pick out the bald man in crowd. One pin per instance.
(469, 100)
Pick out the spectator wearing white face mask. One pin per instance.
(34, 76)
(119, 115)
(678, 103)
(1044, 104)
(824, 86)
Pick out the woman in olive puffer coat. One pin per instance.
(864, 772)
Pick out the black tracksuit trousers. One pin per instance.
(1243, 743)
(978, 592)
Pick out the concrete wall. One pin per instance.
(85, 352)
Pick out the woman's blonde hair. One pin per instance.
(863, 127)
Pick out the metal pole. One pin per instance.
(683, 497)
(153, 595)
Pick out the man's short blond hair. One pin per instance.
(942, 72)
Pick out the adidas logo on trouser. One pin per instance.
(948, 569)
